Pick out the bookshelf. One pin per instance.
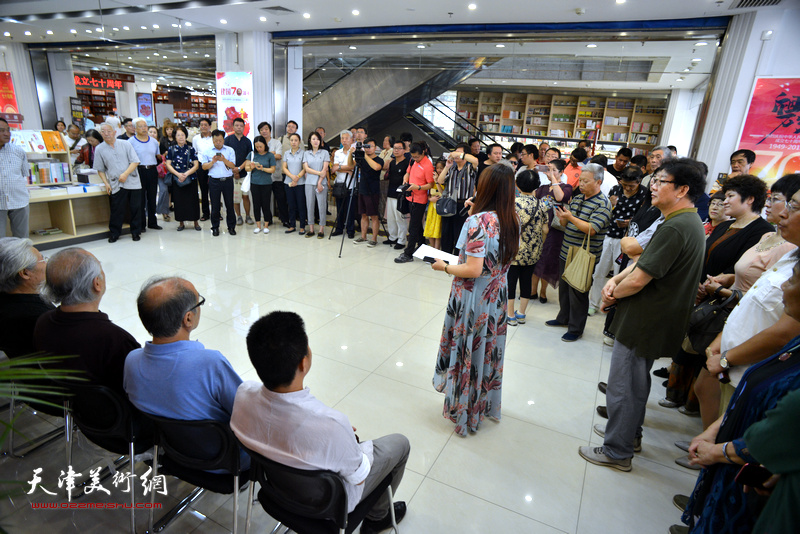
(97, 102)
(564, 119)
(467, 108)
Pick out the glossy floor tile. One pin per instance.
(374, 329)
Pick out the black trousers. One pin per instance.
(261, 194)
(342, 219)
(574, 304)
(523, 274)
(451, 229)
(415, 238)
(281, 205)
(149, 179)
(130, 198)
(202, 181)
(224, 189)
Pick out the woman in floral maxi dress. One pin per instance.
(469, 367)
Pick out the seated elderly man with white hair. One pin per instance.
(146, 149)
(22, 272)
(76, 281)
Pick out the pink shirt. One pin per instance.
(753, 263)
(420, 173)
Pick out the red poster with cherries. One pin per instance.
(235, 101)
(772, 127)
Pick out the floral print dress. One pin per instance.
(469, 367)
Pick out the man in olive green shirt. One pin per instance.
(654, 298)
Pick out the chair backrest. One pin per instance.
(313, 494)
(203, 445)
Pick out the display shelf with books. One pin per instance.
(646, 123)
(48, 158)
(467, 108)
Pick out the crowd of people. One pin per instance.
(663, 252)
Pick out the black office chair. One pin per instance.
(191, 449)
(309, 502)
(111, 422)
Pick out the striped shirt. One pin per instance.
(14, 171)
(597, 212)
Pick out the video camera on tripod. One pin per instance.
(358, 153)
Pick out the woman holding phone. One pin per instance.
(469, 366)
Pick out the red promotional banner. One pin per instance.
(772, 127)
(8, 99)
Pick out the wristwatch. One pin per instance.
(723, 361)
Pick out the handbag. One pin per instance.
(403, 204)
(174, 180)
(339, 190)
(246, 184)
(162, 170)
(579, 266)
(708, 319)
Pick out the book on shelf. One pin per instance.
(53, 141)
(611, 121)
(623, 120)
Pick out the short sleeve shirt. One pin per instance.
(14, 172)
(242, 147)
(294, 162)
(532, 215)
(218, 170)
(181, 157)
(370, 182)
(145, 150)
(113, 161)
(626, 208)
(597, 212)
(340, 158)
(258, 177)
(318, 162)
(420, 173)
(276, 149)
(395, 175)
(653, 321)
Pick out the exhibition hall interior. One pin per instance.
(527, 97)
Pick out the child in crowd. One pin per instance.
(433, 223)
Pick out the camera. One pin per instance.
(358, 153)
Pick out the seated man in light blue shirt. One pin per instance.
(219, 163)
(172, 376)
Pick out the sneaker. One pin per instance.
(691, 413)
(569, 338)
(520, 317)
(511, 321)
(250, 220)
(309, 234)
(597, 456)
(373, 526)
(266, 230)
(359, 241)
(666, 403)
(239, 221)
(372, 244)
(399, 246)
(608, 341)
(592, 311)
(256, 230)
(680, 501)
(554, 322)
(403, 258)
(600, 430)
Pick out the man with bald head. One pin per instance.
(173, 376)
(75, 279)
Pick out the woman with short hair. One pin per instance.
(183, 164)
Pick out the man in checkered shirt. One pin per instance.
(14, 197)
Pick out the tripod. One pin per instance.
(355, 182)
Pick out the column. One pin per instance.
(14, 58)
(63, 83)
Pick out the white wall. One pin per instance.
(682, 117)
(126, 100)
(14, 58)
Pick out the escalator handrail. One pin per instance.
(477, 129)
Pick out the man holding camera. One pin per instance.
(219, 162)
(369, 188)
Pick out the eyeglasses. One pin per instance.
(44, 259)
(771, 200)
(792, 206)
(656, 182)
(202, 301)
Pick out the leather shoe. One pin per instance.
(370, 526)
(602, 386)
(336, 233)
(602, 411)
(137, 237)
(661, 373)
(113, 239)
(680, 502)
(155, 227)
(678, 529)
(554, 322)
(215, 232)
(232, 231)
(569, 338)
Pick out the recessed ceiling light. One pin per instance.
(87, 55)
(591, 45)
(73, 31)
(174, 25)
(499, 46)
(129, 57)
(184, 57)
(623, 34)
(144, 27)
(155, 53)
(697, 59)
(99, 30)
(701, 43)
(420, 46)
(188, 23)
(88, 31)
(106, 64)
(126, 28)
(472, 7)
(207, 55)
(263, 19)
(27, 33)
(356, 12)
(115, 29)
(306, 15)
(555, 83)
(223, 21)
(148, 57)
(679, 80)
(7, 34)
(339, 52)
(49, 32)
(620, 1)
(685, 70)
(353, 47)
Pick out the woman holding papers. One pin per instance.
(469, 367)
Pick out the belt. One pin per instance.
(149, 166)
(221, 178)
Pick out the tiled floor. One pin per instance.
(374, 327)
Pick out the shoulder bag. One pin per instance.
(447, 206)
(708, 319)
(580, 266)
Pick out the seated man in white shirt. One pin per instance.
(282, 421)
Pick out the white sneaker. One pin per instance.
(608, 341)
(266, 230)
(256, 230)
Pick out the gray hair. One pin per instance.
(164, 317)
(15, 256)
(138, 119)
(597, 171)
(666, 150)
(100, 128)
(70, 277)
(346, 132)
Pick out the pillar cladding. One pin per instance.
(15, 59)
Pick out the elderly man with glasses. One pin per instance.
(172, 376)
